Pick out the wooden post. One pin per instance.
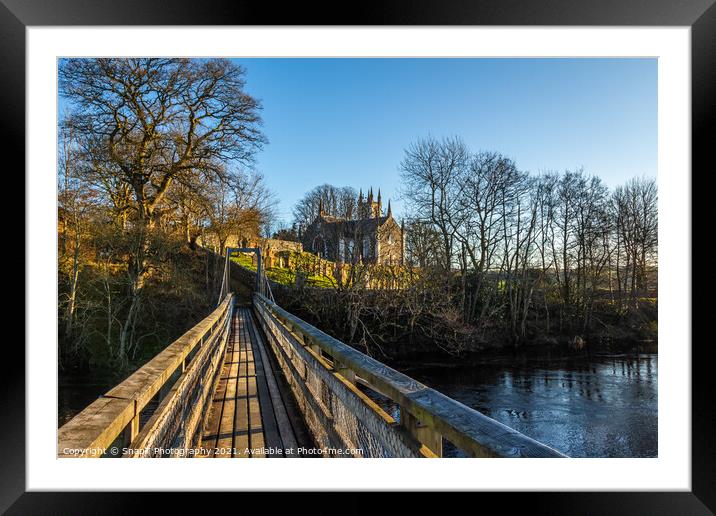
(344, 371)
(307, 341)
(132, 428)
(424, 434)
(259, 270)
(227, 275)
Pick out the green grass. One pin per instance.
(244, 260)
(321, 282)
(282, 275)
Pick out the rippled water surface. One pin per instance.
(602, 407)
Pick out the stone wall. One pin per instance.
(270, 247)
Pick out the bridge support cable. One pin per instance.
(262, 284)
(224, 279)
(266, 286)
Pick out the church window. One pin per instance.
(350, 248)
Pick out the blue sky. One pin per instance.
(348, 121)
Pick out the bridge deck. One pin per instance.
(250, 415)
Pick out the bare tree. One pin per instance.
(423, 246)
(489, 194)
(76, 206)
(430, 171)
(337, 201)
(636, 218)
(156, 122)
(516, 245)
(241, 208)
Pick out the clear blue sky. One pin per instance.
(348, 121)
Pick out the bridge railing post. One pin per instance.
(345, 371)
(421, 432)
(132, 429)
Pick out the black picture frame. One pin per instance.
(700, 15)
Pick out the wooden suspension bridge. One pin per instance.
(253, 380)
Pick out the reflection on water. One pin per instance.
(74, 397)
(604, 407)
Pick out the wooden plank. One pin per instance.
(104, 420)
(307, 358)
(241, 419)
(283, 420)
(213, 386)
(424, 435)
(194, 424)
(225, 437)
(256, 435)
(144, 383)
(211, 431)
(181, 391)
(292, 368)
(272, 436)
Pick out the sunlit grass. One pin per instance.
(282, 275)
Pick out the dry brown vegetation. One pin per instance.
(152, 153)
(506, 258)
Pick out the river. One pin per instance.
(73, 397)
(598, 407)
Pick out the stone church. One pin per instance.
(370, 238)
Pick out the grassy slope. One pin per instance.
(284, 276)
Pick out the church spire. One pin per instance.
(390, 212)
(320, 207)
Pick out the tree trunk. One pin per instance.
(70, 315)
(137, 273)
(125, 335)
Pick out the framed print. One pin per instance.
(422, 233)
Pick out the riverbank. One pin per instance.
(528, 354)
(401, 325)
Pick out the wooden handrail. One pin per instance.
(93, 430)
(426, 413)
